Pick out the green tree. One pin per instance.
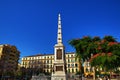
(108, 54)
(80, 46)
(106, 51)
(76, 44)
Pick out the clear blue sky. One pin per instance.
(31, 25)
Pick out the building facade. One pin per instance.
(46, 61)
(9, 56)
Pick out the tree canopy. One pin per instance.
(103, 52)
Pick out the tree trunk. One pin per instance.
(110, 74)
(93, 73)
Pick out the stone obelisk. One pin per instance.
(59, 67)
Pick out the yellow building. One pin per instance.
(46, 62)
(88, 70)
(71, 64)
(9, 56)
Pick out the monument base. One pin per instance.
(58, 76)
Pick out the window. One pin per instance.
(51, 61)
(23, 63)
(72, 60)
(68, 70)
(72, 70)
(45, 57)
(68, 65)
(76, 65)
(71, 55)
(68, 60)
(76, 70)
(51, 66)
(47, 61)
(47, 70)
(72, 65)
(68, 55)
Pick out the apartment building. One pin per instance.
(9, 56)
